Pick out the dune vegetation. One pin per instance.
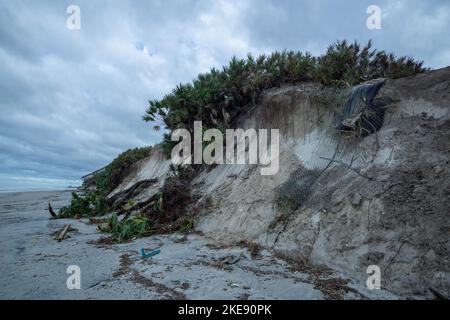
(217, 97)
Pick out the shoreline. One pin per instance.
(36, 190)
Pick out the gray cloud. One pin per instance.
(72, 100)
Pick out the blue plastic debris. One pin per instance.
(152, 253)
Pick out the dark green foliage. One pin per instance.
(90, 204)
(217, 97)
(253, 248)
(136, 226)
(296, 189)
(186, 225)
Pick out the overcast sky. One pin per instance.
(72, 100)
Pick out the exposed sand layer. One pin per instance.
(33, 264)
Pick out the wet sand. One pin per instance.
(33, 264)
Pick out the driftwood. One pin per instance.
(63, 232)
(52, 213)
(121, 198)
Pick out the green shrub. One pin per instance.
(90, 204)
(135, 226)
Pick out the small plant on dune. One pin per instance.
(346, 64)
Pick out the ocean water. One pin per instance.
(15, 190)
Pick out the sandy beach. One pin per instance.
(33, 264)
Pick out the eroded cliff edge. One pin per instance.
(383, 200)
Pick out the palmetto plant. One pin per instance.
(114, 172)
(217, 97)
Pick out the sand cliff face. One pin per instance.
(384, 200)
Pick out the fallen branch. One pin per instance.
(52, 213)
